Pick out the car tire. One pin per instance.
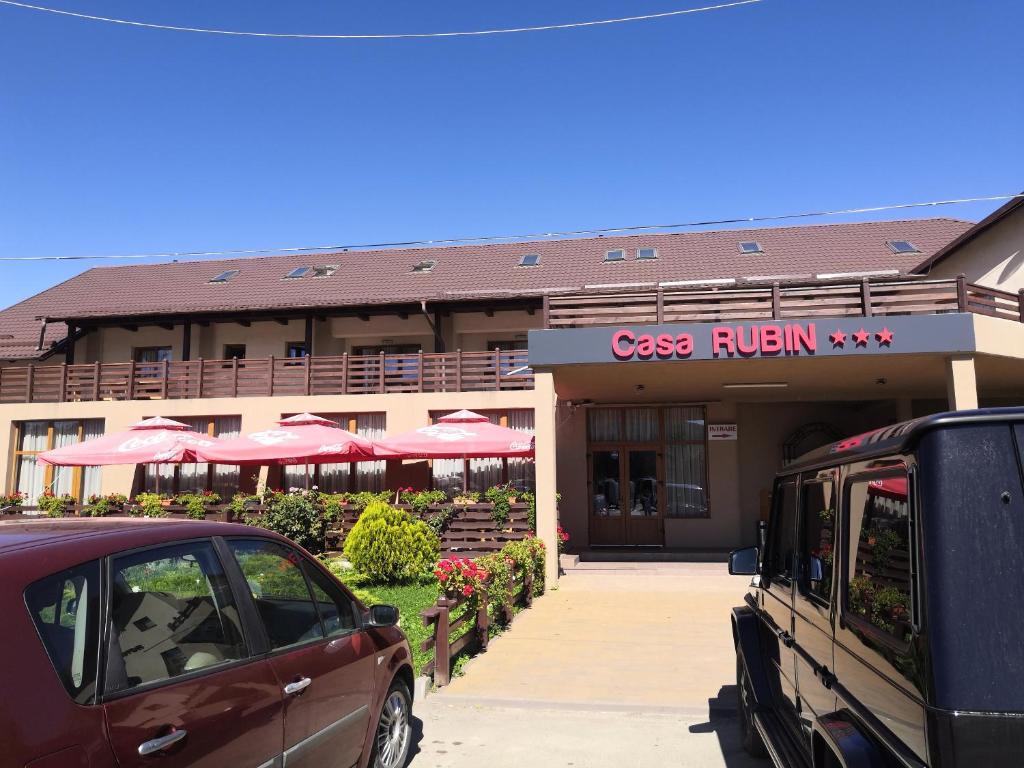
(392, 735)
(752, 742)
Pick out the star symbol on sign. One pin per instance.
(884, 337)
(838, 338)
(861, 337)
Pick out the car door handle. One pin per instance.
(153, 746)
(785, 638)
(297, 687)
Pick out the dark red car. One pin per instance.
(131, 642)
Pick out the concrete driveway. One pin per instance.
(623, 663)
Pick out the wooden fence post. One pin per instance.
(442, 661)
(660, 305)
(344, 373)
(270, 377)
(865, 297)
(96, 380)
(483, 622)
(419, 371)
(528, 588)
(130, 394)
(309, 371)
(1020, 305)
(776, 302)
(202, 373)
(497, 369)
(234, 377)
(546, 311)
(458, 370)
(28, 382)
(961, 293)
(62, 395)
(383, 376)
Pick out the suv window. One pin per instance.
(280, 591)
(171, 613)
(817, 535)
(878, 559)
(778, 562)
(65, 610)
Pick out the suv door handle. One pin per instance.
(153, 746)
(785, 638)
(297, 687)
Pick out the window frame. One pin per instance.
(817, 479)
(898, 468)
(652, 257)
(293, 346)
(175, 479)
(608, 255)
(77, 473)
(229, 347)
(137, 352)
(773, 516)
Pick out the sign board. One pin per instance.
(722, 432)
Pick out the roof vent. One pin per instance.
(297, 272)
(325, 270)
(902, 246)
(223, 277)
(426, 265)
(750, 246)
(617, 255)
(530, 260)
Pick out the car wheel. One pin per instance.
(394, 729)
(752, 742)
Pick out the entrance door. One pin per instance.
(625, 503)
(643, 523)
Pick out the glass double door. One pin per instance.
(625, 496)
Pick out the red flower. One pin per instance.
(442, 577)
(483, 574)
(467, 590)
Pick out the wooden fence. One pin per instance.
(267, 377)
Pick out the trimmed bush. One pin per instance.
(391, 547)
(297, 516)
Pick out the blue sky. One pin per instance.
(116, 140)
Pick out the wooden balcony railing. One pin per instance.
(267, 377)
(779, 302)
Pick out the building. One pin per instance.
(666, 377)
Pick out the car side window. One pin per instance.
(279, 589)
(817, 536)
(878, 587)
(779, 558)
(65, 609)
(171, 613)
(335, 606)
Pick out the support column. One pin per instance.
(186, 340)
(961, 383)
(544, 466)
(308, 339)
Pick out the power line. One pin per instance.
(530, 236)
(385, 36)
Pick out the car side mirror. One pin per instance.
(382, 616)
(743, 562)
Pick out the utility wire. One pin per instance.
(531, 236)
(386, 36)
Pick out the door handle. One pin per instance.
(785, 637)
(153, 746)
(297, 687)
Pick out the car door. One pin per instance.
(778, 570)
(812, 603)
(322, 660)
(180, 687)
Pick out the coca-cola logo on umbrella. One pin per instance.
(446, 432)
(273, 437)
(135, 443)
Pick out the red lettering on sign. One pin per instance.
(771, 339)
(623, 352)
(741, 343)
(807, 339)
(645, 347)
(722, 338)
(684, 345)
(664, 345)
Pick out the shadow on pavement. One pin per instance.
(723, 721)
(416, 738)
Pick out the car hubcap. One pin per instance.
(393, 731)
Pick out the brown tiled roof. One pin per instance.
(465, 273)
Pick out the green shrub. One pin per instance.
(297, 516)
(195, 503)
(363, 499)
(440, 520)
(390, 546)
(421, 501)
(150, 505)
(54, 506)
(528, 555)
(239, 503)
(111, 504)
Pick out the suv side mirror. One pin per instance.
(382, 616)
(743, 562)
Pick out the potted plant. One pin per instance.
(10, 503)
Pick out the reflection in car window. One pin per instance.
(279, 590)
(779, 558)
(171, 613)
(817, 536)
(878, 565)
(65, 609)
(335, 607)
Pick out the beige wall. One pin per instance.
(995, 258)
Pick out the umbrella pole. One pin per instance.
(307, 477)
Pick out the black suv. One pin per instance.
(884, 625)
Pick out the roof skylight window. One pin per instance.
(646, 254)
(530, 260)
(616, 255)
(751, 246)
(427, 265)
(223, 277)
(297, 272)
(325, 270)
(902, 246)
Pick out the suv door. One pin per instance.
(778, 571)
(322, 659)
(180, 685)
(812, 605)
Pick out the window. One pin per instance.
(285, 606)
(878, 585)
(425, 266)
(65, 609)
(530, 260)
(817, 536)
(686, 468)
(325, 270)
(152, 354)
(336, 609)
(34, 437)
(480, 474)
(750, 246)
(344, 477)
(902, 246)
(297, 272)
(507, 345)
(234, 351)
(195, 478)
(171, 613)
(778, 562)
(646, 254)
(616, 255)
(295, 349)
(223, 277)
(402, 362)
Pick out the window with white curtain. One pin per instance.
(34, 437)
(449, 474)
(196, 478)
(343, 477)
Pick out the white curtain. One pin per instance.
(484, 473)
(334, 478)
(91, 429)
(685, 463)
(194, 478)
(226, 477)
(370, 474)
(604, 425)
(30, 475)
(521, 471)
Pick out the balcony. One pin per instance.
(267, 377)
(775, 301)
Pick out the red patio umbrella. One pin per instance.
(892, 487)
(460, 435)
(152, 441)
(302, 439)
